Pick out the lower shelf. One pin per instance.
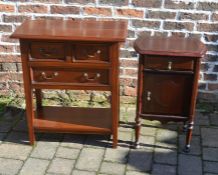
(73, 119)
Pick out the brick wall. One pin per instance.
(184, 18)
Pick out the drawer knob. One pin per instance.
(94, 55)
(86, 76)
(148, 96)
(169, 65)
(49, 77)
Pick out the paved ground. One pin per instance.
(160, 152)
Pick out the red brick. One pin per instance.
(47, 1)
(210, 58)
(9, 58)
(207, 27)
(129, 63)
(49, 17)
(215, 69)
(214, 17)
(178, 34)
(97, 11)
(202, 86)
(126, 82)
(130, 91)
(161, 14)
(15, 18)
(147, 24)
(211, 47)
(12, 76)
(204, 67)
(114, 2)
(210, 77)
(161, 34)
(130, 13)
(33, 9)
(213, 87)
(193, 16)
(178, 26)
(6, 8)
(208, 6)
(211, 37)
(6, 48)
(147, 3)
(172, 4)
(5, 28)
(131, 72)
(65, 9)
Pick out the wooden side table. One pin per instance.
(77, 55)
(168, 75)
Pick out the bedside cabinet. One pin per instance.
(76, 55)
(168, 74)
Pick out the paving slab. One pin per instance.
(90, 159)
(120, 154)
(214, 119)
(69, 153)
(167, 156)
(210, 154)
(61, 166)
(211, 167)
(159, 169)
(15, 151)
(189, 165)
(10, 166)
(34, 167)
(136, 173)
(44, 150)
(140, 160)
(113, 168)
(209, 137)
(79, 172)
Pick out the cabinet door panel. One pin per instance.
(166, 93)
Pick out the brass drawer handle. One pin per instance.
(86, 76)
(94, 55)
(46, 77)
(169, 65)
(148, 96)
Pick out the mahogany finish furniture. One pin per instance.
(168, 80)
(76, 55)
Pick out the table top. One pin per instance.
(170, 46)
(82, 30)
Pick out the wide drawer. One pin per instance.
(168, 63)
(91, 52)
(47, 50)
(69, 76)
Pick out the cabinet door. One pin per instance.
(166, 93)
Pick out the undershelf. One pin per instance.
(73, 119)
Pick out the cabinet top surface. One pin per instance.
(170, 46)
(83, 30)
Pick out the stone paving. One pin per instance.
(160, 152)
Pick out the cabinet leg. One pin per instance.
(137, 131)
(30, 116)
(38, 94)
(188, 137)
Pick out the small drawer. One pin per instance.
(91, 52)
(168, 63)
(66, 76)
(41, 50)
